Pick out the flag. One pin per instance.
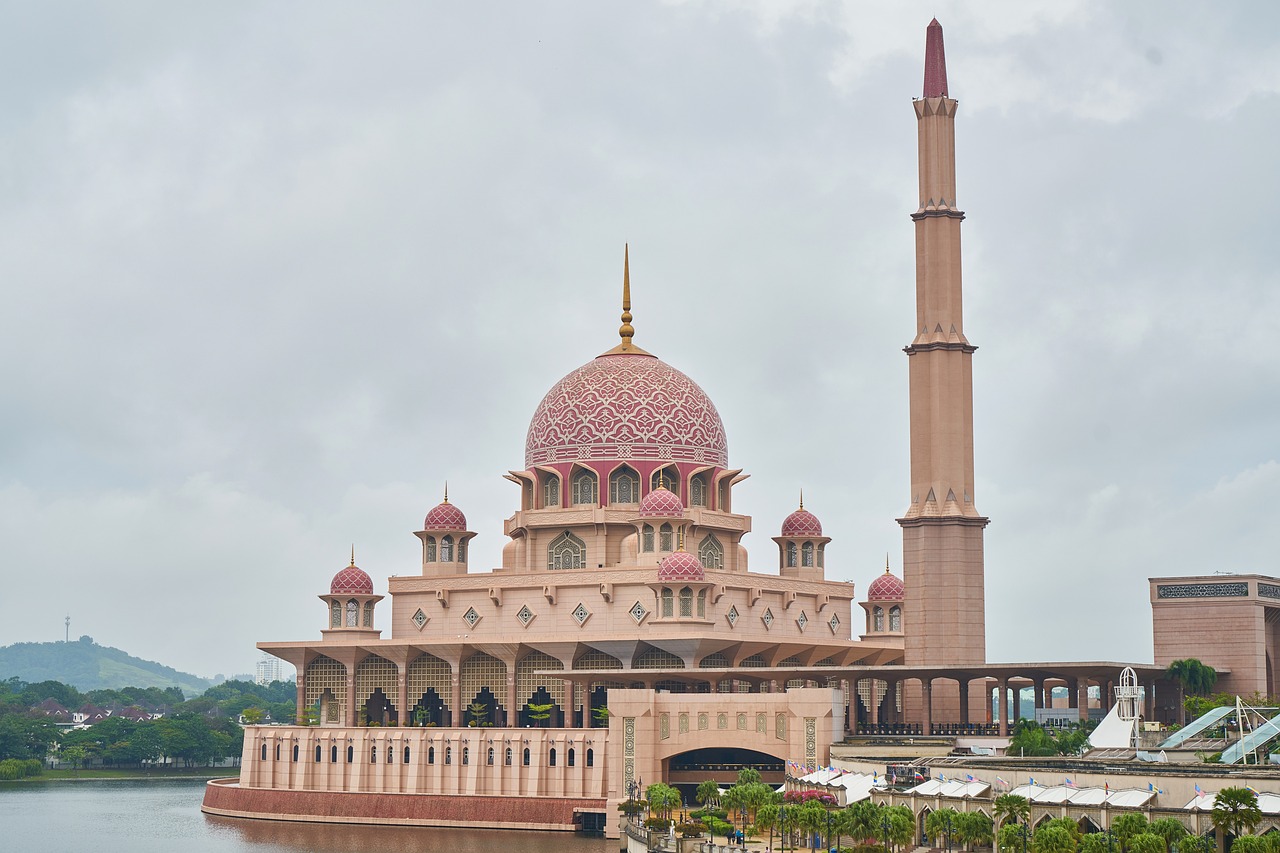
(1251, 788)
(1031, 780)
(1069, 783)
(1002, 781)
(969, 777)
(942, 778)
(919, 776)
(1106, 786)
(1199, 793)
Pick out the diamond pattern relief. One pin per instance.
(581, 614)
(834, 623)
(420, 619)
(638, 612)
(802, 620)
(634, 401)
(732, 615)
(525, 615)
(471, 617)
(767, 618)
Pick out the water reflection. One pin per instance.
(160, 816)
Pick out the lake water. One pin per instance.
(146, 816)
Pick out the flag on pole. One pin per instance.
(1069, 783)
(1199, 793)
(1002, 781)
(969, 777)
(1106, 787)
(1031, 780)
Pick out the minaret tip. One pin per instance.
(626, 331)
(935, 62)
(802, 498)
(353, 553)
(446, 491)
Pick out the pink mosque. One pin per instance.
(623, 640)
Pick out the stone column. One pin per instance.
(926, 690)
(513, 710)
(455, 698)
(570, 701)
(1082, 701)
(1004, 707)
(963, 685)
(351, 697)
(302, 696)
(1038, 698)
(402, 699)
(849, 686)
(873, 703)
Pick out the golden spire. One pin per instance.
(802, 498)
(353, 553)
(627, 331)
(446, 491)
(886, 562)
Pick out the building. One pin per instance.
(268, 669)
(624, 638)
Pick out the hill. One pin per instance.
(86, 665)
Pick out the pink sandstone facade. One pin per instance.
(624, 639)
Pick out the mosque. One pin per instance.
(624, 640)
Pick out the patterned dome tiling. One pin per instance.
(626, 406)
(801, 523)
(680, 566)
(445, 516)
(887, 587)
(351, 581)
(661, 503)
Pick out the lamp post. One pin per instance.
(1023, 832)
(948, 824)
(829, 847)
(884, 825)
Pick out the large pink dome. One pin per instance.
(887, 587)
(626, 406)
(351, 581)
(680, 566)
(801, 523)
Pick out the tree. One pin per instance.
(1014, 838)
(540, 712)
(1126, 826)
(1053, 839)
(1170, 830)
(1146, 842)
(662, 799)
(1031, 739)
(1011, 807)
(1095, 842)
(1192, 677)
(708, 792)
(941, 823)
(1251, 844)
(973, 828)
(861, 821)
(1235, 811)
(477, 712)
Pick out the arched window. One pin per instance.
(333, 755)
(667, 601)
(431, 549)
(591, 757)
(666, 538)
(584, 488)
(391, 754)
(646, 535)
(665, 478)
(551, 757)
(368, 614)
(806, 554)
(791, 554)
(462, 550)
(822, 549)
(466, 755)
(686, 602)
(335, 615)
(446, 549)
(431, 755)
(711, 552)
(295, 753)
(353, 614)
(488, 758)
(722, 495)
(569, 757)
(264, 752)
(877, 618)
(698, 490)
(448, 755)
(567, 552)
(318, 753)
(624, 486)
(406, 755)
(895, 618)
(551, 491)
(526, 756)
(702, 604)
(373, 755)
(506, 759)
(351, 754)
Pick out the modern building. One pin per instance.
(268, 669)
(624, 639)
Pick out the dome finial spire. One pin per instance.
(627, 331)
(353, 553)
(802, 498)
(446, 491)
(886, 562)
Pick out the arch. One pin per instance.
(431, 755)
(668, 477)
(406, 755)
(550, 490)
(534, 689)
(702, 604)
(806, 554)
(326, 690)
(483, 678)
(822, 550)
(698, 491)
(335, 614)
(525, 757)
(551, 757)
(666, 537)
(668, 605)
(506, 759)
(624, 485)
(367, 621)
(431, 549)
(714, 661)
(446, 549)
(584, 488)
(376, 681)
(686, 601)
(769, 759)
(488, 757)
(895, 618)
(711, 552)
(654, 658)
(461, 555)
(791, 555)
(466, 755)
(569, 757)
(567, 552)
(428, 684)
(877, 618)
(353, 613)
(591, 757)
(333, 754)
(646, 538)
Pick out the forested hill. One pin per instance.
(86, 665)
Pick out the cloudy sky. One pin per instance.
(273, 273)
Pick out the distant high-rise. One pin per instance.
(269, 669)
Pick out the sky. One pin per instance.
(273, 273)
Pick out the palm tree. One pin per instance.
(1192, 677)
(708, 792)
(1126, 826)
(1235, 811)
(941, 822)
(1011, 807)
(1054, 839)
(1169, 829)
(973, 828)
(1146, 842)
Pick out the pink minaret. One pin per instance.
(942, 548)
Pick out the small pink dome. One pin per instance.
(887, 587)
(446, 516)
(680, 566)
(802, 523)
(351, 581)
(661, 503)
